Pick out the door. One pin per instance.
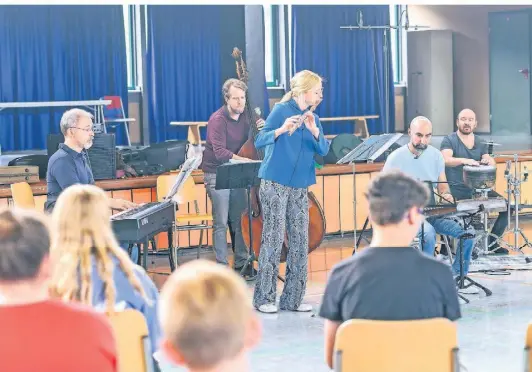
(509, 55)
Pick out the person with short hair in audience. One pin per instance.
(90, 267)
(207, 318)
(40, 333)
(390, 279)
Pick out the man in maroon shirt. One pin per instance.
(40, 333)
(227, 131)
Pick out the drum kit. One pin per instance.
(481, 179)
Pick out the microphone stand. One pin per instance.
(386, 52)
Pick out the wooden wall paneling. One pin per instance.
(331, 203)
(500, 181)
(122, 194)
(362, 181)
(347, 216)
(526, 187)
(141, 196)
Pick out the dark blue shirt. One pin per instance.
(289, 160)
(66, 167)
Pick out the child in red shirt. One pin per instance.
(39, 333)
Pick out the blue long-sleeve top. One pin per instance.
(289, 160)
(127, 297)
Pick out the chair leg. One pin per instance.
(200, 240)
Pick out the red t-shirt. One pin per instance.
(53, 336)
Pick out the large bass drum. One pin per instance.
(480, 177)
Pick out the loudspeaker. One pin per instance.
(102, 154)
(169, 154)
(40, 161)
(340, 146)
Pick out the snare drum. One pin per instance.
(481, 177)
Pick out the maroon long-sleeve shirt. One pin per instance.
(225, 137)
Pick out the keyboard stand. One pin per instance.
(143, 255)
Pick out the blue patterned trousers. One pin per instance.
(285, 209)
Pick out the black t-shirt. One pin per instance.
(455, 175)
(390, 284)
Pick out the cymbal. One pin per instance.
(491, 143)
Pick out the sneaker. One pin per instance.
(267, 308)
(303, 308)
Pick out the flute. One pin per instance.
(297, 125)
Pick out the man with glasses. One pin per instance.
(70, 165)
(389, 280)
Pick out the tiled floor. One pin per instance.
(491, 332)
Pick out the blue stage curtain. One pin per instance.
(57, 53)
(352, 62)
(188, 59)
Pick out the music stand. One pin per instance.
(241, 175)
(368, 151)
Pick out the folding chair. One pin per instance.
(193, 221)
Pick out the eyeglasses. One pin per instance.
(88, 130)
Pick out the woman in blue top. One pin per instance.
(89, 265)
(291, 136)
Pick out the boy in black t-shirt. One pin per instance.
(389, 280)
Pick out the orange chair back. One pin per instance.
(22, 195)
(396, 346)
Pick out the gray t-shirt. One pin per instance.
(455, 174)
(390, 284)
(426, 168)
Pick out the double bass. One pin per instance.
(316, 216)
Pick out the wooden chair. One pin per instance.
(396, 346)
(189, 221)
(22, 195)
(132, 341)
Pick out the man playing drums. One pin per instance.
(464, 148)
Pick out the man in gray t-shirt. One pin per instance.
(389, 280)
(464, 148)
(423, 162)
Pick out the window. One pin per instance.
(271, 44)
(398, 43)
(129, 22)
(394, 43)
